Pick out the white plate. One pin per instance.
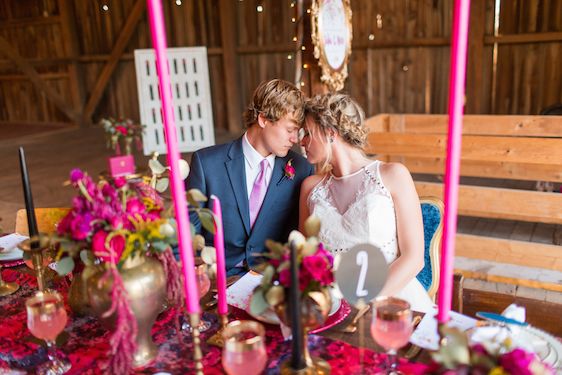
(546, 345)
(14, 254)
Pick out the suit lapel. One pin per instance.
(271, 194)
(237, 176)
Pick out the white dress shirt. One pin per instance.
(252, 164)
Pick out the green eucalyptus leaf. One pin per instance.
(267, 275)
(156, 167)
(160, 245)
(258, 304)
(275, 295)
(65, 266)
(162, 184)
(207, 221)
(209, 255)
(312, 226)
(88, 271)
(195, 196)
(87, 257)
(184, 169)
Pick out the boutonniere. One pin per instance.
(289, 170)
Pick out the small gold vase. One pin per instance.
(145, 282)
(315, 307)
(78, 295)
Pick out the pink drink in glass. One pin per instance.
(48, 325)
(250, 362)
(391, 335)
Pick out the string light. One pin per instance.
(294, 39)
(289, 57)
(303, 48)
(308, 11)
(292, 4)
(305, 66)
(293, 20)
(105, 7)
(259, 8)
(371, 36)
(178, 2)
(302, 83)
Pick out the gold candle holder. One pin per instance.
(218, 339)
(197, 354)
(7, 288)
(33, 247)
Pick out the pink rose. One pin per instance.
(517, 362)
(115, 250)
(120, 182)
(135, 206)
(316, 265)
(121, 129)
(80, 226)
(98, 242)
(63, 226)
(285, 278)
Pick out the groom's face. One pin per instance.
(280, 136)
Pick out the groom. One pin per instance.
(256, 177)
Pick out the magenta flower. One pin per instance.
(135, 206)
(285, 278)
(80, 226)
(115, 250)
(76, 175)
(517, 362)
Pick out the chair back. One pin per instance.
(432, 213)
(47, 219)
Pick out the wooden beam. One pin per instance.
(498, 203)
(524, 38)
(22, 77)
(230, 64)
(51, 94)
(401, 43)
(507, 125)
(474, 147)
(475, 275)
(70, 39)
(122, 41)
(530, 254)
(29, 21)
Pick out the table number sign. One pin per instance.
(361, 273)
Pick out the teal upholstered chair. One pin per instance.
(432, 213)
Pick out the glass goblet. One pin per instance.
(391, 328)
(46, 318)
(244, 348)
(204, 283)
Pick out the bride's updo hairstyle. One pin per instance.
(338, 112)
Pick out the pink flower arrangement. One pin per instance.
(458, 357)
(315, 269)
(114, 219)
(122, 131)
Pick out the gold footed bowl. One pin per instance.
(315, 307)
(145, 282)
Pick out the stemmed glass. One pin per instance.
(244, 348)
(204, 283)
(46, 318)
(391, 328)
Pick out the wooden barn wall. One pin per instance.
(398, 65)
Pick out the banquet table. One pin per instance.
(86, 342)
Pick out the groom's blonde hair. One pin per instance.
(275, 99)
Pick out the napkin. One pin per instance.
(493, 337)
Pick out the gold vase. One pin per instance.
(78, 295)
(315, 307)
(145, 282)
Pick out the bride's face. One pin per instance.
(314, 142)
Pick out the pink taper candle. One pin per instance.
(158, 33)
(456, 103)
(222, 307)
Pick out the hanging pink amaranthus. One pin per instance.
(174, 278)
(122, 342)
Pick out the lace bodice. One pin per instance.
(369, 217)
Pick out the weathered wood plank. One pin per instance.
(510, 251)
(510, 204)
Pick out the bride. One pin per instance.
(362, 200)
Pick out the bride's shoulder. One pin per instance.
(394, 174)
(311, 182)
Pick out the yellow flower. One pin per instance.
(498, 370)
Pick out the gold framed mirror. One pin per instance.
(331, 35)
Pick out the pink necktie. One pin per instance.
(258, 192)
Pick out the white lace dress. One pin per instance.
(356, 209)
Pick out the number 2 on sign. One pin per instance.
(362, 260)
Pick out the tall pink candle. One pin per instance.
(456, 102)
(222, 307)
(158, 33)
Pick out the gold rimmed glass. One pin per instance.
(244, 350)
(391, 328)
(204, 283)
(46, 319)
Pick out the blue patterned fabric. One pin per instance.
(431, 219)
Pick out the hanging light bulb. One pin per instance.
(178, 2)
(293, 20)
(105, 7)
(305, 66)
(294, 39)
(289, 57)
(259, 8)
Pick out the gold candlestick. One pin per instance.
(33, 246)
(7, 288)
(197, 354)
(217, 339)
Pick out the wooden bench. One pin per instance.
(499, 147)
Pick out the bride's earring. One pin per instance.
(331, 139)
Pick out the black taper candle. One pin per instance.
(297, 360)
(30, 209)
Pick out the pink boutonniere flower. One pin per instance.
(289, 170)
